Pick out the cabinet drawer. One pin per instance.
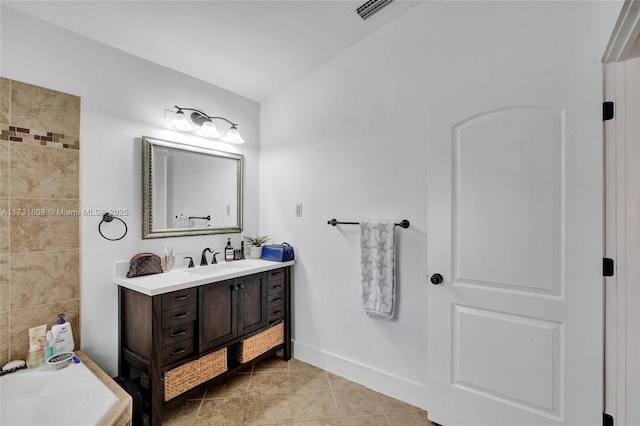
(173, 335)
(275, 313)
(275, 299)
(179, 298)
(176, 352)
(275, 275)
(180, 315)
(275, 287)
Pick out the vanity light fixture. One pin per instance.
(207, 129)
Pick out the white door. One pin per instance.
(515, 229)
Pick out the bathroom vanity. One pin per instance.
(187, 329)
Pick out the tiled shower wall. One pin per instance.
(39, 212)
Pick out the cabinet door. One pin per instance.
(218, 323)
(252, 294)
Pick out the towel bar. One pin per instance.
(404, 223)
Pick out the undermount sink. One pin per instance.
(219, 267)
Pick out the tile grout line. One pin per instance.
(45, 304)
(289, 379)
(333, 396)
(245, 402)
(384, 412)
(9, 315)
(246, 397)
(195, 418)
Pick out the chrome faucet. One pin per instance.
(203, 258)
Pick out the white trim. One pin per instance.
(618, 316)
(615, 241)
(622, 340)
(625, 33)
(629, 347)
(405, 390)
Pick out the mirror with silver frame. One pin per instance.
(189, 190)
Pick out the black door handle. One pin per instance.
(436, 279)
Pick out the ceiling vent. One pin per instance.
(372, 6)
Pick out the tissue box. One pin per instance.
(277, 252)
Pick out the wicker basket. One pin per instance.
(256, 345)
(144, 380)
(190, 375)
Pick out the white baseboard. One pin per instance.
(405, 390)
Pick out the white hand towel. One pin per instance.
(377, 262)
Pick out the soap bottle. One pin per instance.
(34, 359)
(228, 251)
(166, 266)
(62, 335)
(50, 346)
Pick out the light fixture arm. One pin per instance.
(200, 117)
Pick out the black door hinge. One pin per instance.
(607, 110)
(607, 419)
(608, 267)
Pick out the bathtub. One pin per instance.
(46, 396)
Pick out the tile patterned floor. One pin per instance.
(278, 392)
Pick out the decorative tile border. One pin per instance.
(38, 137)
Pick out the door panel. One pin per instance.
(515, 226)
(532, 355)
(218, 322)
(253, 303)
(506, 164)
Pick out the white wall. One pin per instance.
(609, 12)
(348, 141)
(123, 98)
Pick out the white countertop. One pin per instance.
(179, 279)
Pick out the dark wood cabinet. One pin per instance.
(171, 331)
(252, 303)
(219, 312)
(232, 308)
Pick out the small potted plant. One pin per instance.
(255, 245)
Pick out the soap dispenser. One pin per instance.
(50, 345)
(228, 251)
(166, 264)
(62, 335)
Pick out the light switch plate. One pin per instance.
(298, 210)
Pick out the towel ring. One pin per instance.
(108, 217)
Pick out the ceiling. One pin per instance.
(248, 47)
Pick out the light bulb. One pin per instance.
(209, 130)
(233, 136)
(180, 122)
